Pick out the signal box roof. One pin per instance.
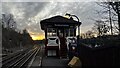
(58, 21)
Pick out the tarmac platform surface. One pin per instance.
(54, 62)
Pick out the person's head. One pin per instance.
(61, 35)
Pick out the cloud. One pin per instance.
(28, 14)
(0, 10)
(24, 12)
(47, 0)
(57, 0)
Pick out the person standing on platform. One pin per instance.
(63, 46)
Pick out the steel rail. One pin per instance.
(6, 64)
(31, 62)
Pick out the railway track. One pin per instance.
(20, 60)
(7, 57)
(34, 58)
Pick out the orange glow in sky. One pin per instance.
(37, 37)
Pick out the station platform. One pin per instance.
(54, 62)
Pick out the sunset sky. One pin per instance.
(28, 14)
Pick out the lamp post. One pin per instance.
(78, 22)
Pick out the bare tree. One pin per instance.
(100, 28)
(113, 11)
(8, 21)
(116, 8)
(89, 34)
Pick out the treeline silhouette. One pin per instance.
(12, 39)
(39, 42)
(105, 40)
